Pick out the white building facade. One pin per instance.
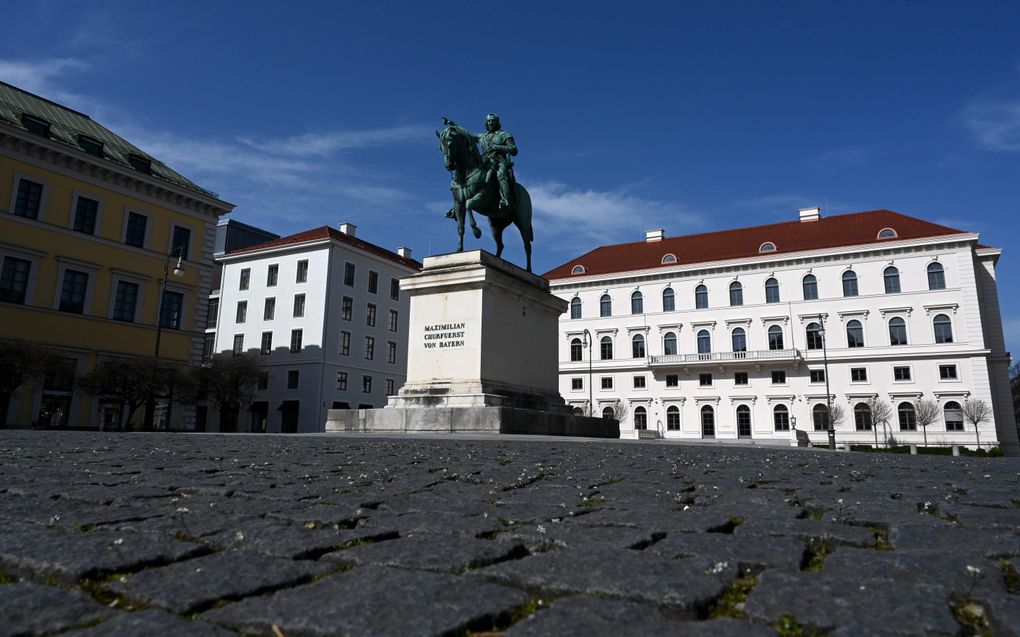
(754, 333)
(323, 313)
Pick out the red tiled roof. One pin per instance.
(791, 236)
(326, 232)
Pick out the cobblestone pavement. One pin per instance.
(162, 534)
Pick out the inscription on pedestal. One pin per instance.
(443, 335)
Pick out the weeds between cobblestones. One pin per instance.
(155, 534)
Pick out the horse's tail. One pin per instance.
(523, 219)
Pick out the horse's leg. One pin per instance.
(497, 234)
(471, 204)
(527, 252)
(458, 212)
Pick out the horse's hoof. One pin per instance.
(450, 215)
(477, 233)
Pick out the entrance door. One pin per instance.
(743, 421)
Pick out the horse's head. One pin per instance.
(451, 142)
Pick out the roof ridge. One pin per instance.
(47, 100)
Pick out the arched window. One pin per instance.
(854, 334)
(943, 329)
(820, 417)
(668, 258)
(637, 346)
(768, 246)
(897, 331)
(608, 413)
(771, 290)
(575, 308)
(739, 339)
(672, 418)
(577, 411)
(936, 276)
(577, 269)
(701, 297)
(849, 283)
(953, 414)
(669, 344)
(743, 421)
(886, 233)
(810, 287)
(640, 418)
(775, 337)
(736, 293)
(668, 300)
(576, 349)
(814, 336)
(781, 418)
(606, 305)
(892, 280)
(606, 348)
(907, 417)
(862, 417)
(707, 422)
(704, 342)
(637, 303)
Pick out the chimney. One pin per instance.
(654, 235)
(810, 214)
(348, 228)
(404, 252)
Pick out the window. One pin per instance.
(897, 331)
(299, 305)
(892, 280)
(637, 346)
(302, 271)
(134, 235)
(366, 384)
(907, 417)
(736, 293)
(346, 308)
(862, 417)
(14, 280)
(936, 276)
(639, 382)
(28, 201)
(72, 291)
(370, 315)
(577, 269)
(947, 372)
(391, 352)
(781, 418)
(172, 307)
(35, 125)
(91, 146)
(953, 414)
(817, 375)
(349, 272)
(373, 282)
(605, 305)
(854, 334)
(668, 300)
(768, 246)
(267, 344)
(901, 373)
(85, 213)
(394, 289)
(705, 379)
(640, 418)
(263, 381)
(125, 302)
(775, 337)
(238, 344)
(669, 344)
(208, 343)
(575, 308)
(390, 387)
(810, 283)
(369, 348)
(241, 315)
(295, 341)
(607, 382)
(269, 309)
(181, 241)
(245, 279)
(778, 377)
(771, 290)
(576, 350)
(341, 381)
(739, 340)
(820, 417)
(293, 378)
(740, 378)
(707, 422)
(700, 297)
(672, 380)
(637, 303)
(606, 348)
(214, 313)
(858, 374)
(392, 326)
(886, 233)
(943, 329)
(849, 283)
(673, 418)
(743, 421)
(668, 258)
(141, 164)
(345, 343)
(272, 275)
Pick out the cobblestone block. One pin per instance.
(32, 609)
(439, 553)
(151, 623)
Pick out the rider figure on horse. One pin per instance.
(497, 148)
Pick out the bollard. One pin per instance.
(956, 450)
(913, 450)
(846, 446)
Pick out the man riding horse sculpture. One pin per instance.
(485, 183)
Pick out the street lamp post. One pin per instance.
(828, 396)
(150, 407)
(591, 401)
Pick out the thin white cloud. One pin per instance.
(995, 123)
(338, 141)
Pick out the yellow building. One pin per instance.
(89, 223)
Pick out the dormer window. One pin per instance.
(90, 146)
(887, 233)
(578, 269)
(668, 258)
(36, 125)
(141, 164)
(768, 246)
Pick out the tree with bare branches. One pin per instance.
(976, 411)
(926, 411)
(879, 411)
(227, 380)
(130, 382)
(20, 361)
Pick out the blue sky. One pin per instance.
(690, 116)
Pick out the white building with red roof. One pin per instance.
(751, 334)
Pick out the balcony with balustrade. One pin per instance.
(727, 358)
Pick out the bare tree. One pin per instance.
(926, 411)
(976, 411)
(228, 381)
(130, 382)
(20, 361)
(619, 410)
(879, 411)
(838, 415)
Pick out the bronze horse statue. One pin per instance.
(473, 192)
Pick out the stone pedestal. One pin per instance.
(482, 355)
